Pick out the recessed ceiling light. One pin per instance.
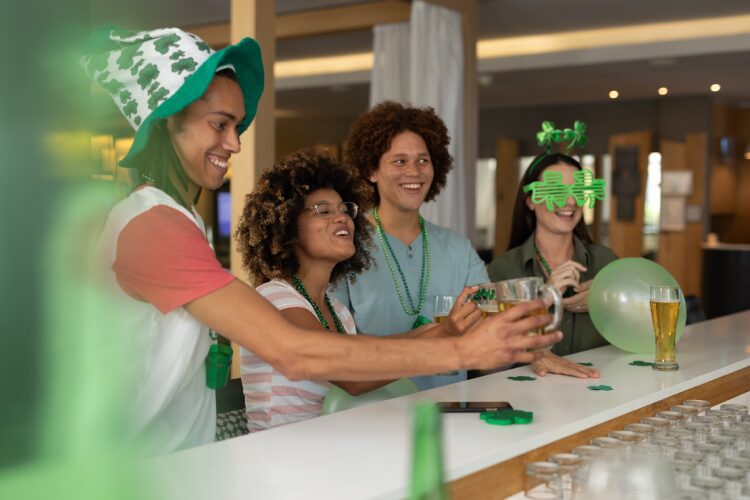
(663, 91)
(715, 87)
(613, 94)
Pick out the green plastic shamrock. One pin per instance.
(600, 388)
(586, 363)
(521, 378)
(548, 135)
(507, 417)
(550, 190)
(575, 137)
(586, 189)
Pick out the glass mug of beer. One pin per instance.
(665, 307)
(511, 293)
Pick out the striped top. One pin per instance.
(270, 398)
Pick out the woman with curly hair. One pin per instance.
(403, 153)
(302, 229)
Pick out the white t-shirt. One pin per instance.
(270, 398)
(157, 259)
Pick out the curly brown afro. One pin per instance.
(371, 135)
(267, 230)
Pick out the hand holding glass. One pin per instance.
(511, 293)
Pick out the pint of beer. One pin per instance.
(665, 307)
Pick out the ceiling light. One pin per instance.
(613, 94)
(663, 91)
(715, 87)
(747, 152)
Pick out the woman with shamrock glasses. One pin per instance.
(549, 239)
(402, 151)
(301, 230)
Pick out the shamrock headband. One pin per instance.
(551, 191)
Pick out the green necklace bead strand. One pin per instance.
(390, 258)
(542, 260)
(300, 287)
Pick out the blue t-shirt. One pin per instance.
(373, 300)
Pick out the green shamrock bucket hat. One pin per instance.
(154, 74)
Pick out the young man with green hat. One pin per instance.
(189, 105)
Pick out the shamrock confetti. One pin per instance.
(640, 363)
(521, 378)
(600, 388)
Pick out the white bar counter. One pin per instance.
(365, 452)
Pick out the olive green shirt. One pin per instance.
(579, 333)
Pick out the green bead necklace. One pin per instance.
(569, 292)
(542, 260)
(302, 290)
(390, 258)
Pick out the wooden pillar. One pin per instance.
(680, 251)
(626, 236)
(506, 185)
(253, 18)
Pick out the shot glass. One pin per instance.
(628, 437)
(677, 418)
(543, 481)
(741, 410)
(568, 463)
(698, 403)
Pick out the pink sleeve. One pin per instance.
(163, 258)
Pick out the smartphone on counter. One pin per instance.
(472, 406)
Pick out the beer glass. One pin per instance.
(511, 293)
(442, 307)
(665, 306)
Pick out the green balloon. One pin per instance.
(338, 399)
(619, 303)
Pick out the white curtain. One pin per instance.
(431, 47)
(390, 71)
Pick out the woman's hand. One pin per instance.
(567, 274)
(552, 363)
(578, 303)
(464, 313)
